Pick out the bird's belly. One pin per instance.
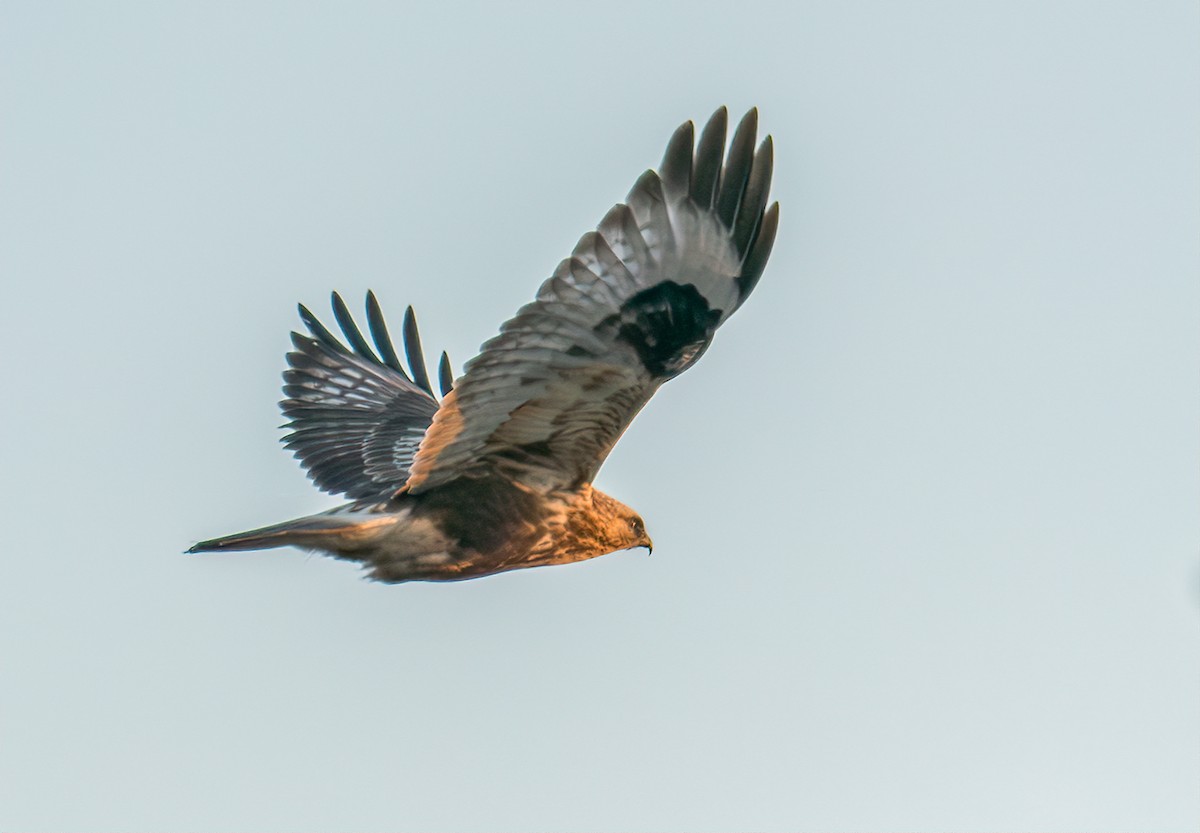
(414, 551)
(417, 554)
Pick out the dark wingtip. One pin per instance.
(737, 167)
(710, 153)
(379, 334)
(306, 315)
(756, 260)
(350, 329)
(318, 329)
(413, 352)
(676, 168)
(749, 121)
(445, 376)
(754, 199)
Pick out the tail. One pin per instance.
(337, 534)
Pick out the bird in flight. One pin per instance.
(498, 475)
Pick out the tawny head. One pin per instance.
(618, 527)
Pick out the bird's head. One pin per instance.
(638, 528)
(620, 528)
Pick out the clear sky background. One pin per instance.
(926, 516)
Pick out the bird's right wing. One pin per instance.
(356, 417)
(636, 304)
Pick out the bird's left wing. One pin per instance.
(357, 417)
(637, 303)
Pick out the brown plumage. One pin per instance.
(497, 476)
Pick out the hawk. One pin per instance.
(498, 475)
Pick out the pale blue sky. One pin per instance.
(925, 516)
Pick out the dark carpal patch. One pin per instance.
(669, 325)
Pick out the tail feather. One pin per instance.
(339, 534)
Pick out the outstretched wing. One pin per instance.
(357, 417)
(636, 304)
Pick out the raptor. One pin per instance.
(498, 475)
